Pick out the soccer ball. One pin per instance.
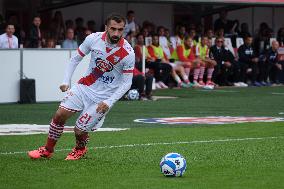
(173, 164)
(133, 94)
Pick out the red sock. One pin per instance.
(50, 144)
(82, 141)
(201, 73)
(209, 73)
(55, 132)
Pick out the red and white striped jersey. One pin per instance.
(108, 64)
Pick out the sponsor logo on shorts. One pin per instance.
(208, 120)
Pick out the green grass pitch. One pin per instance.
(215, 159)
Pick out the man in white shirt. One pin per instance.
(107, 79)
(8, 40)
(130, 25)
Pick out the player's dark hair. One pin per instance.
(116, 17)
(247, 36)
(7, 24)
(130, 12)
(186, 37)
(155, 35)
(204, 36)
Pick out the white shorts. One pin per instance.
(76, 101)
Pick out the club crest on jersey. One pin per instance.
(104, 65)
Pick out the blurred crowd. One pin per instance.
(225, 55)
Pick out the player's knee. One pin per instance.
(59, 118)
(79, 132)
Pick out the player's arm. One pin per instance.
(126, 82)
(82, 51)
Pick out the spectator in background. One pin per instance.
(223, 22)
(69, 24)
(161, 31)
(220, 33)
(69, 42)
(57, 27)
(80, 30)
(225, 61)
(262, 40)
(210, 34)
(280, 36)
(244, 30)
(50, 43)
(150, 27)
(249, 59)
(8, 40)
(19, 33)
(273, 66)
(145, 32)
(130, 25)
(35, 38)
(91, 25)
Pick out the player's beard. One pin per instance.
(113, 39)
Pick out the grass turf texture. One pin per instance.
(232, 164)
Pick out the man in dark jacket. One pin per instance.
(35, 39)
(273, 68)
(247, 57)
(224, 59)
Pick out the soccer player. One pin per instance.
(202, 52)
(185, 55)
(107, 79)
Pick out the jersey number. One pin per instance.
(84, 119)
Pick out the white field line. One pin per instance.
(161, 143)
(277, 93)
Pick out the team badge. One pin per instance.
(104, 65)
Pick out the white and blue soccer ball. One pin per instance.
(173, 164)
(133, 94)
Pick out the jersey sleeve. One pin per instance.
(82, 51)
(85, 47)
(129, 63)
